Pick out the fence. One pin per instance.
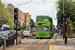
(9, 42)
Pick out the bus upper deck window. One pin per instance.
(39, 19)
(45, 18)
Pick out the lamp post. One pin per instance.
(52, 20)
(52, 13)
(65, 25)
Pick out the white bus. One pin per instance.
(4, 27)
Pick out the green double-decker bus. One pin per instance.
(43, 26)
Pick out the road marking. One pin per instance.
(50, 47)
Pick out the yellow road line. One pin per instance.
(50, 47)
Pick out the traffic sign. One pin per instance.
(30, 24)
(65, 23)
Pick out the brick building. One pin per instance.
(10, 9)
(27, 19)
(23, 17)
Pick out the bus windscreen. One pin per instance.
(42, 19)
(42, 29)
(39, 19)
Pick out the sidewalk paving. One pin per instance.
(61, 45)
(58, 46)
(17, 47)
(1, 48)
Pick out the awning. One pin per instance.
(3, 20)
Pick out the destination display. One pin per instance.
(41, 23)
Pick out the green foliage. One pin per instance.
(20, 28)
(5, 14)
(70, 22)
(69, 8)
(73, 24)
(24, 26)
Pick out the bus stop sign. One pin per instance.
(30, 24)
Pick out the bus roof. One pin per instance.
(43, 16)
(5, 25)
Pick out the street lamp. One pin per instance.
(52, 13)
(52, 20)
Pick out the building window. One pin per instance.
(27, 23)
(27, 17)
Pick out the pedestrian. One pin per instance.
(61, 33)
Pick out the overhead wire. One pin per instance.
(45, 7)
(24, 3)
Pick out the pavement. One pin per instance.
(1, 48)
(17, 47)
(60, 47)
(60, 44)
(52, 45)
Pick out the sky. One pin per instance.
(36, 7)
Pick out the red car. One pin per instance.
(14, 34)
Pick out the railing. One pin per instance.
(9, 42)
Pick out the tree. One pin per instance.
(69, 8)
(24, 26)
(20, 27)
(5, 14)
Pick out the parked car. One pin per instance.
(22, 34)
(13, 34)
(26, 33)
(19, 33)
(5, 34)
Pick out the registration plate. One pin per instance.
(24, 35)
(41, 36)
